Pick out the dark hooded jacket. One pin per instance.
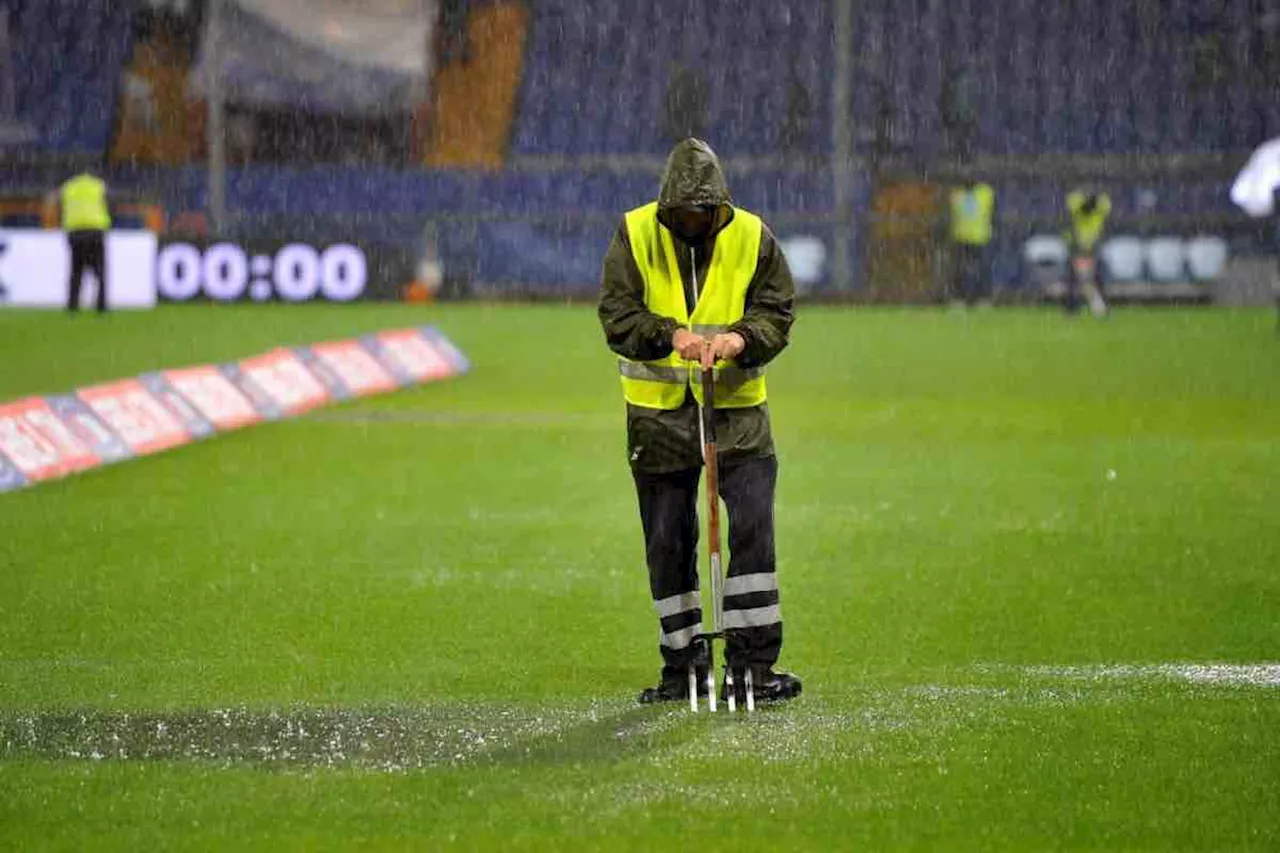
(661, 440)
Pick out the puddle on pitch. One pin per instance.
(816, 728)
(381, 740)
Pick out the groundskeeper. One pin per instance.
(691, 278)
(1088, 211)
(86, 218)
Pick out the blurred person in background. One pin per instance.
(1088, 211)
(428, 279)
(685, 108)
(453, 44)
(86, 218)
(797, 119)
(1256, 191)
(690, 280)
(972, 216)
(958, 112)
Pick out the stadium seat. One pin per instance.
(1042, 249)
(1206, 257)
(807, 257)
(1122, 258)
(1166, 259)
(1044, 258)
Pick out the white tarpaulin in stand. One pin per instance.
(1254, 190)
(357, 57)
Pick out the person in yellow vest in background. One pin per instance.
(690, 280)
(972, 216)
(1088, 211)
(86, 218)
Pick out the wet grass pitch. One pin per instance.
(1028, 570)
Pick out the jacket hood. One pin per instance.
(692, 176)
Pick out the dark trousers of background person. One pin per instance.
(88, 252)
(971, 273)
(669, 516)
(1084, 286)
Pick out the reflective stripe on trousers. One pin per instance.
(679, 619)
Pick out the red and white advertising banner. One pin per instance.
(285, 379)
(142, 421)
(355, 367)
(213, 395)
(88, 428)
(411, 355)
(59, 434)
(38, 444)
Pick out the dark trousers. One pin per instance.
(669, 516)
(88, 252)
(971, 273)
(1083, 284)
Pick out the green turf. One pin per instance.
(1007, 539)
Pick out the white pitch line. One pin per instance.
(1227, 674)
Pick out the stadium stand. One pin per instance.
(578, 50)
(577, 100)
(1088, 77)
(1093, 77)
(67, 58)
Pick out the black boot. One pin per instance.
(673, 688)
(673, 684)
(766, 684)
(773, 686)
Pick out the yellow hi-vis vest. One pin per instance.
(84, 204)
(971, 211)
(661, 384)
(1086, 228)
